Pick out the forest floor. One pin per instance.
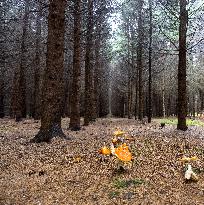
(72, 172)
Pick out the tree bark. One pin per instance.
(132, 70)
(1, 94)
(202, 102)
(129, 67)
(53, 87)
(97, 76)
(139, 59)
(136, 95)
(150, 65)
(163, 95)
(75, 93)
(88, 114)
(2, 62)
(37, 91)
(182, 95)
(19, 85)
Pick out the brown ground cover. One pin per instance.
(72, 172)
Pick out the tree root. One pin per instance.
(47, 135)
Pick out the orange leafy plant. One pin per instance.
(118, 133)
(105, 151)
(123, 153)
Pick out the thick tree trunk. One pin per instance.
(88, 114)
(37, 91)
(150, 65)
(19, 85)
(182, 95)
(75, 93)
(53, 87)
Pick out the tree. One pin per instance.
(150, 64)
(2, 60)
(53, 80)
(1, 94)
(75, 93)
(139, 58)
(97, 73)
(19, 85)
(37, 97)
(88, 101)
(182, 94)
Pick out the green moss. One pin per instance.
(120, 184)
(174, 121)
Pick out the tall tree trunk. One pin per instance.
(75, 93)
(129, 100)
(139, 58)
(67, 94)
(97, 76)
(19, 85)
(163, 95)
(37, 91)
(53, 87)
(196, 105)
(129, 67)
(88, 115)
(182, 95)
(2, 93)
(202, 101)
(136, 94)
(2, 62)
(109, 99)
(132, 68)
(150, 65)
(194, 110)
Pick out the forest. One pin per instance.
(101, 101)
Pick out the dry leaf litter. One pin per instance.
(72, 172)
